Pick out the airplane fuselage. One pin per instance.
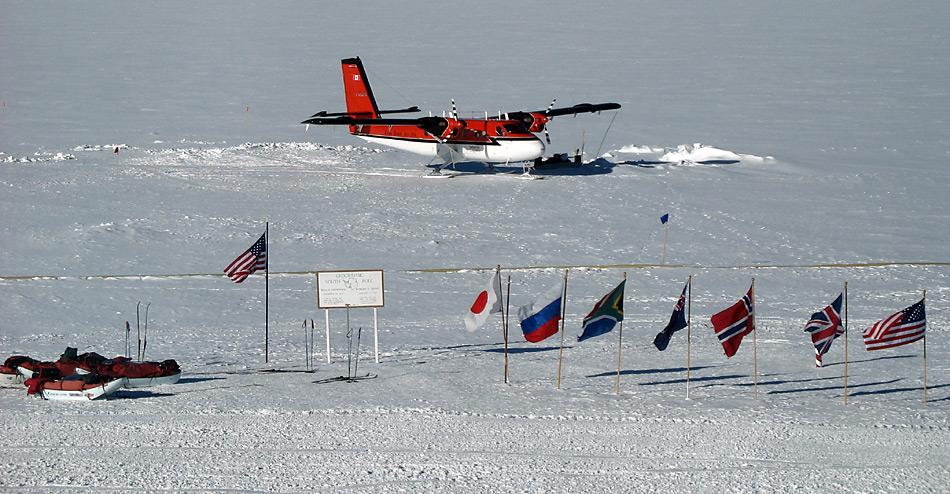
(486, 141)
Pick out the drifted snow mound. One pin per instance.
(101, 147)
(37, 157)
(693, 153)
(637, 149)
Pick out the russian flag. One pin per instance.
(541, 319)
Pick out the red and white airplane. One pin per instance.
(508, 137)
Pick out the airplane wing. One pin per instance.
(362, 121)
(434, 126)
(535, 121)
(411, 109)
(579, 108)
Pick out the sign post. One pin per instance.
(362, 288)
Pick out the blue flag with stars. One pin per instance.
(677, 322)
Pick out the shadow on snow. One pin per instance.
(532, 349)
(830, 388)
(698, 379)
(898, 390)
(599, 166)
(886, 357)
(188, 380)
(649, 371)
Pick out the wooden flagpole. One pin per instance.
(504, 329)
(507, 311)
(666, 231)
(755, 361)
(845, 342)
(620, 342)
(560, 356)
(925, 351)
(266, 287)
(689, 307)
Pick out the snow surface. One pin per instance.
(837, 114)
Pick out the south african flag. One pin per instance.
(605, 315)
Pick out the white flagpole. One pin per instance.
(560, 356)
(376, 332)
(326, 318)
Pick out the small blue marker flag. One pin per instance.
(665, 218)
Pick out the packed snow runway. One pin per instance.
(823, 161)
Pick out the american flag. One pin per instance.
(906, 326)
(734, 323)
(825, 326)
(251, 260)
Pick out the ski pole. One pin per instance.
(145, 335)
(138, 331)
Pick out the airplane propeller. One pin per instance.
(547, 136)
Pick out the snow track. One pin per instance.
(361, 450)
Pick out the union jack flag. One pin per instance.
(251, 260)
(825, 326)
(734, 323)
(901, 328)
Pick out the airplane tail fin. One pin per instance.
(360, 102)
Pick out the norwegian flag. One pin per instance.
(734, 323)
(901, 328)
(251, 260)
(825, 326)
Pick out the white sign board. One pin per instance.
(342, 289)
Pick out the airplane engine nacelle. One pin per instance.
(533, 121)
(453, 127)
(538, 122)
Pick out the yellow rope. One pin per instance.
(837, 265)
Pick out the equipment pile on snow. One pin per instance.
(138, 374)
(86, 376)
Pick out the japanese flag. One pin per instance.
(486, 303)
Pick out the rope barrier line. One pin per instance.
(844, 265)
